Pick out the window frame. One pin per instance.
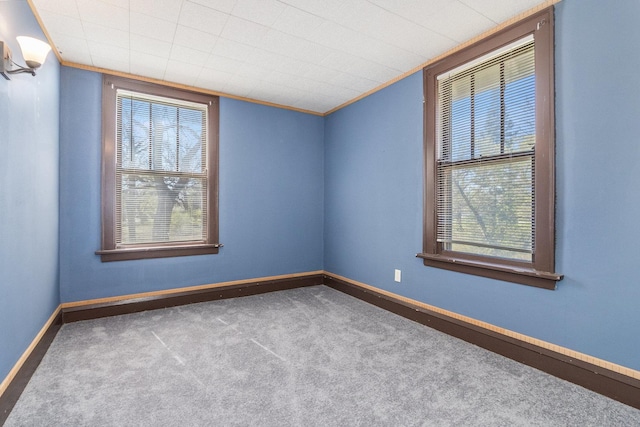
(539, 272)
(110, 251)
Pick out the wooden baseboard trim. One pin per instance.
(173, 291)
(17, 379)
(614, 381)
(14, 384)
(611, 383)
(95, 309)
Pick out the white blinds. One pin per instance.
(161, 180)
(486, 154)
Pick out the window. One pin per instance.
(159, 171)
(489, 157)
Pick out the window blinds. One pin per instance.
(161, 190)
(485, 155)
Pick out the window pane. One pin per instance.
(140, 131)
(192, 129)
(161, 137)
(487, 112)
(459, 124)
(164, 130)
(155, 208)
(519, 99)
(487, 208)
(134, 131)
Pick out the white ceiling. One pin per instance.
(308, 54)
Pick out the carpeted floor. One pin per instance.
(305, 357)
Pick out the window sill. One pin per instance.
(108, 255)
(523, 276)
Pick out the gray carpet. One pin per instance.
(304, 357)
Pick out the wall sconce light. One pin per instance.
(34, 53)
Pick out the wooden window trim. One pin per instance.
(539, 272)
(109, 250)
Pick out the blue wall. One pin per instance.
(373, 195)
(29, 116)
(271, 199)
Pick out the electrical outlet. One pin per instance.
(398, 275)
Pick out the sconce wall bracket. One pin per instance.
(5, 63)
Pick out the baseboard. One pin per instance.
(17, 379)
(13, 385)
(154, 300)
(614, 381)
(623, 387)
